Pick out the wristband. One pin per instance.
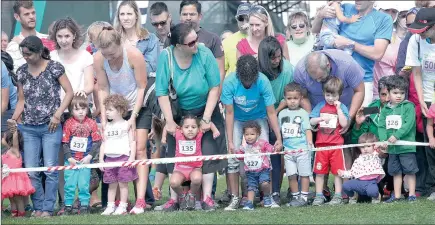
(135, 114)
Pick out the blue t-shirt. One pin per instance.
(249, 104)
(375, 25)
(294, 124)
(7, 83)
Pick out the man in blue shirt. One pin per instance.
(369, 37)
(9, 97)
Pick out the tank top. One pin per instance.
(122, 81)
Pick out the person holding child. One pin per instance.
(330, 116)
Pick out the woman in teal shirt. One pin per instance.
(196, 80)
(280, 73)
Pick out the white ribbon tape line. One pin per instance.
(196, 158)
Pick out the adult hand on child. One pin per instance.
(278, 146)
(432, 142)
(230, 147)
(86, 160)
(72, 161)
(171, 127)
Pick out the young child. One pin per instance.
(16, 186)
(257, 168)
(367, 171)
(188, 143)
(81, 142)
(330, 116)
(397, 122)
(331, 27)
(297, 138)
(119, 145)
(93, 31)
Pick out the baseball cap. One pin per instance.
(243, 9)
(423, 20)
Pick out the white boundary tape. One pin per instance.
(195, 158)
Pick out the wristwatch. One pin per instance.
(352, 45)
(206, 121)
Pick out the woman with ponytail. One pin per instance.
(40, 105)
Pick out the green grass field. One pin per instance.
(421, 212)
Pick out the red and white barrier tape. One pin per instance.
(194, 158)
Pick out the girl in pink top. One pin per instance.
(430, 125)
(260, 27)
(188, 143)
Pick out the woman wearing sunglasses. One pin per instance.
(301, 41)
(196, 80)
(261, 26)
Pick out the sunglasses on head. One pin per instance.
(161, 23)
(258, 9)
(192, 43)
(294, 27)
(242, 18)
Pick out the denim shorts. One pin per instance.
(256, 178)
(405, 163)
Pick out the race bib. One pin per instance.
(114, 133)
(394, 122)
(332, 123)
(289, 130)
(253, 162)
(428, 66)
(187, 147)
(79, 144)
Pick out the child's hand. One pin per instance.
(72, 161)
(86, 160)
(392, 139)
(310, 145)
(216, 134)
(383, 147)
(337, 104)
(340, 173)
(130, 159)
(101, 168)
(355, 18)
(432, 142)
(325, 119)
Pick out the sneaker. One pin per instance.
(109, 210)
(352, 201)
(208, 204)
(298, 202)
(84, 210)
(269, 203)
(46, 215)
(234, 204)
(226, 197)
(68, 210)
(139, 208)
(243, 201)
(431, 197)
(190, 201)
(157, 192)
(376, 200)
(392, 199)
(345, 198)
(412, 199)
(336, 200)
(327, 195)
(319, 200)
(170, 206)
(198, 206)
(28, 208)
(61, 210)
(19, 214)
(36, 214)
(121, 209)
(248, 205)
(182, 202)
(76, 207)
(276, 198)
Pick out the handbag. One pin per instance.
(175, 107)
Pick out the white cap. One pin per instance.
(397, 5)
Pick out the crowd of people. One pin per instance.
(358, 73)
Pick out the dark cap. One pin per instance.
(424, 19)
(243, 9)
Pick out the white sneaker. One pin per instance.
(137, 210)
(431, 197)
(109, 210)
(121, 210)
(234, 204)
(198, 206)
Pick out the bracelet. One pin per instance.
(135, 114)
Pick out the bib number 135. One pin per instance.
(187, 147)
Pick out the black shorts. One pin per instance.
(161, 168)
(405, 163)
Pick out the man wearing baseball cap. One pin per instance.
(421, 57)
(230, 42)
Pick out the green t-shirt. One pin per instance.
(192, 84)
(284, 78)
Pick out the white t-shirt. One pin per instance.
(116, 141)
(75, 71)
(427, 63)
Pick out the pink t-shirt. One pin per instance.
(366, 167)
(385, 67)
(185, 148)
(245, 49)
(256, 163)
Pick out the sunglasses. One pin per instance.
(192, 43)
(161, 23)
(294, 27)
(242, 18)
(258, 9)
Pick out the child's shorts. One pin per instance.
(119, 174)
(405, 163)
(256, 178)
(185, 170)
(298, 163)
(329, 159)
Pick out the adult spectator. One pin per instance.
(5, 41)
(190, 11)
(368, 38)
(41, 128)
(424, 4)
(421, 56)
(196, 81)
(25, 14)
(261, 26)
(9, 96)
(301, 41)
(229, 44)
(121, 69)
(280, 73)
(161, 19)
(78, 68)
